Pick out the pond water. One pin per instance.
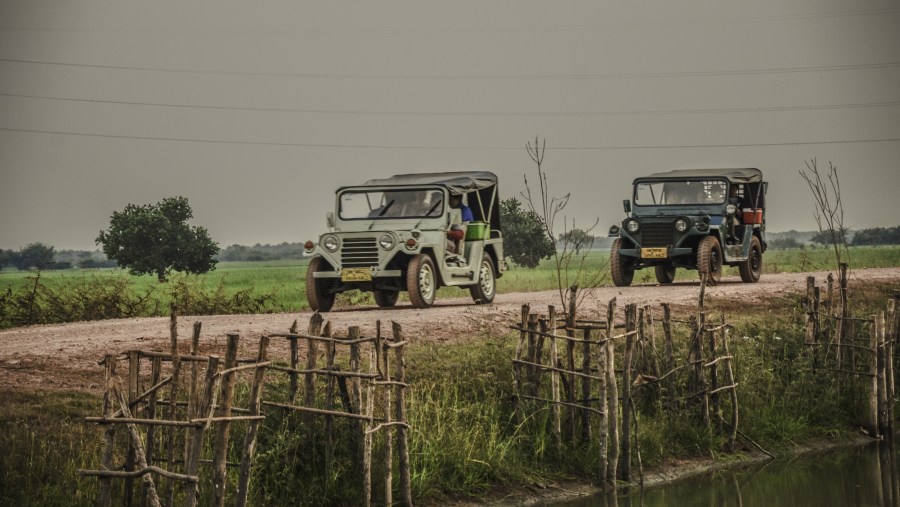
(862, 476)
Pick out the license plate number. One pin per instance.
(356, 275)
(654, 253)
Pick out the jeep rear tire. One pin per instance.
(709, 260)
(620, 267)
(665, 273)
(386, 298)
(486, 284)
(421, 282)
(317, 290)
(752, 267)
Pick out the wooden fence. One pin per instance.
(166, 436)
(569, 366)
(837, 341)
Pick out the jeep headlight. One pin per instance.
(682, 224)
(730, 209)
(331, 243)
(386, 241)
(632, 226)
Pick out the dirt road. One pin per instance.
(65, 356)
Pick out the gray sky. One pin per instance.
(257, 113)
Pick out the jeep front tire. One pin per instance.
(317, 293)
(620, 267)
(421, 282)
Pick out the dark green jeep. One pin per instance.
(695, 219)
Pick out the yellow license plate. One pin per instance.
(654, 253)
(356, 275)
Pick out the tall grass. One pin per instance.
(464, 440)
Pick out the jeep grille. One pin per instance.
(653, 235)
(359, 252)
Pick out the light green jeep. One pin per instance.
(401, 234)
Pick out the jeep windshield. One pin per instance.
(393, 204)
(680, 193)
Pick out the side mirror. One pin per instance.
(329, 220)
(626, 204)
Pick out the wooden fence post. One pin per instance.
(891, 337)
(389, 430)
(881, 360)
(613, 392)
(293, 387)
(729, 371)
(554, 379)
(369, 424)
(134, 367)
(520, 379)
(603, 423)
(714, 377)
(672, 402)
(220, 477)
(627, 379)
(192, 392)
(109, 434)
(330, 352)
(356, 399)
(570, 365)
(155, 373)
(842, 322)
(204, 407)
(586, 386)
(402, 433)
(256, 393)
(172, 412)
(872, 415)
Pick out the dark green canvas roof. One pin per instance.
(749, 175)
(455, 182)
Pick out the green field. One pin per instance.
(278, 286)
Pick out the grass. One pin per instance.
(256, 287)
(465, 441)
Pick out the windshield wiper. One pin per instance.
(386, 207)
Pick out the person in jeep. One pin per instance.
(700, 219)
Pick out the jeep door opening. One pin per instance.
(401, 234)
(700, 219)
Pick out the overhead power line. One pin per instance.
(433, 30)
(363, 112)
(623, 75)
(438, 147)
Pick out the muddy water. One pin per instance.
(866, 476)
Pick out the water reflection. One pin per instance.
(866, 476)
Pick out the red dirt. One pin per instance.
(65, 356)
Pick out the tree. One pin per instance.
(155, 238)
(34, 255)
(577, 239)
(524, 239)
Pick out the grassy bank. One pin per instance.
(278, 286)
(465, 441)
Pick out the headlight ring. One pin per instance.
(386, 241)
(632, 226)
(331, 243)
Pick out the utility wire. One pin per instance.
(363, 112)
(468, 30)
(437, 147)
(774, 70)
